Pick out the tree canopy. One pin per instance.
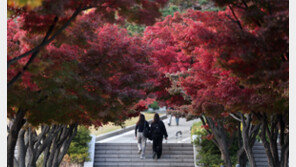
(82, 62)
(233, 61)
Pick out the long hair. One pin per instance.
(141, 119)
(156, 118)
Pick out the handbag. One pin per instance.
(147, 131)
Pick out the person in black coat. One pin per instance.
(158, 131)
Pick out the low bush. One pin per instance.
(154, 105)
(78, 151)
(209, 154)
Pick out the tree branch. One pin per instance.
(41, 136)
(45, 42)
(237, 20)
(235, 117)
(67, 143)
(245, 4)
(209, 132)
(12, 81)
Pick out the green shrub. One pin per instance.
(154, 105)
(209, 154)
(78, 150)
(134, 29)
(215, 9)
(170, 10)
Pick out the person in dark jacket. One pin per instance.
(139, 134)
(158, 131)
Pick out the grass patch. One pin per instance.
(196, 128)
(111, 127)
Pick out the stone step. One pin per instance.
(137, 159)
(147, 148)
(262, 148)
(146, 164)
(258, 152)
(261, 159)
(262, 164)
(135, 152)
(147, 154)
(147, 144)
(258, 144)
(126, 154)
(260, 156)
(135, 144)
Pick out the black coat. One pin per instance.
(140, 127)
(163, 132)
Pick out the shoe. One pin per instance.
(154, 156)
(142, 157)
(139, 152)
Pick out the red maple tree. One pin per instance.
(229, 60)
(96, 77)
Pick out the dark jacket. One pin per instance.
(160, 124)
(140, 127)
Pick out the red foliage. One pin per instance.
(205, 126)
(209, 136)
(37, 19)
(95, 77)
(222, 63)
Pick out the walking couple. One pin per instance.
(155, 133)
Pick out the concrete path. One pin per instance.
(184, 127)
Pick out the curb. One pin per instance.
(119, 131)
(91, 151)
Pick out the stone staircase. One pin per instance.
(126, 154)
(260, 155)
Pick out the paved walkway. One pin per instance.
(184, 127)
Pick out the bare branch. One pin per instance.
(236, 19)
(235, 117)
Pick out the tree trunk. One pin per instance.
(53, 141)
(46, 155)
(60, 145)
(31, 150)
(266, 144)
(17, 124)
(242, 158)
(67, 143)
(241, 155)
(221, 137)
(249, 134)
(22, 149)
(225, 152)
(274, 126)
(284, 141)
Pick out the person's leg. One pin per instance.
(159, 152)
(154, 145)
(177, 121)
(139, 142)
(144, 139)
(170, 120)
